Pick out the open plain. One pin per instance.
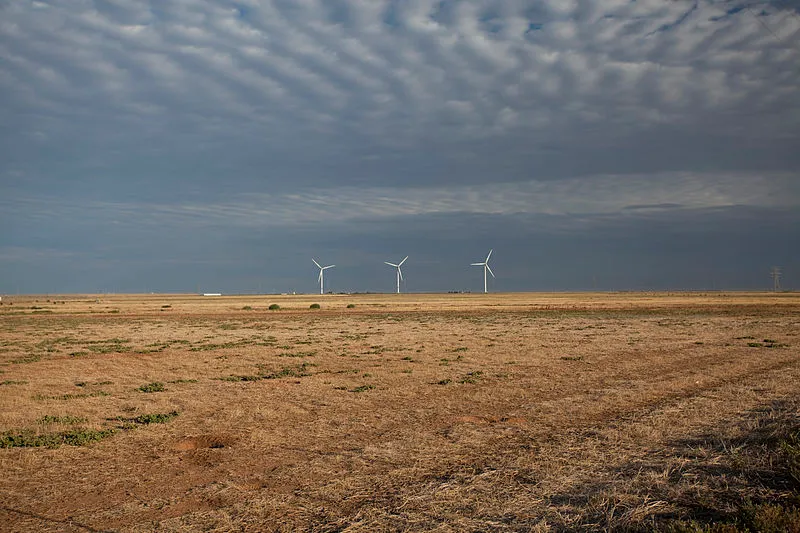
(500, 412)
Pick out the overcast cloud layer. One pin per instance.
(209, 145)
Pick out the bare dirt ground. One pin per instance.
(502, 412)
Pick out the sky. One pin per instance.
(217, 146)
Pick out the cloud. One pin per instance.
(401, 74)
(613, 195)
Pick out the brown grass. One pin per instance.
(510, 412)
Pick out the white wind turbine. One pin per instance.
(321, 276)
(486, 267)
(399, 272)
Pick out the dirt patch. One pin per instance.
(202, 442)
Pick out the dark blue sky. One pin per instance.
(218, 146)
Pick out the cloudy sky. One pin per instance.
(200, 145)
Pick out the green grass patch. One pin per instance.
(96, 394)
(75, 437)
(363, 388)
(314, 306)
(71, 420)
(154, 418)
(31, 358)
(155, 386)
(351, 306)
(13, 382)
(274, 307)
(472, 377)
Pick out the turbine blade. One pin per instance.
(489, 269)
(488, 256)
(391, 264)
(403, 261)
(477, 264)
(315, 262)
(401, 273)
(327, 267)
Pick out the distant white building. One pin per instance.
(212, 294)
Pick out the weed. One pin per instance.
(13, 382)
(313, 306)
(166, 306)
(407, 358)
(460, 349)
(155, 418)
(155, 386)
(572, 358)
(31, 358)
(96, 394)
(247, 308)
(755, 344)
(79, 354)
(471, 377)
(242, 378)
(75, 437)
(50, 419)
(274, 307)
(183, 381)
(444, 381)
(288, 371)
(310, 353)
(351, 306)
(363, 388)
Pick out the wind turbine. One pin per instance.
(486, 267)
(321, 276)
(399, 272)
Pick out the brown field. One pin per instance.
(500, 412)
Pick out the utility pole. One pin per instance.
(775, 273)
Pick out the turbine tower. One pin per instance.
(775, 273)
(486, 267)
(399, 272)
(321, 278)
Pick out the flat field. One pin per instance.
(500, 412)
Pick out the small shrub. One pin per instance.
(155, 386)
(444, 381)
(363, 388)
(274, 307)
(314, 306)
(166, 306)
(247, 308)
(572, 358)
(351, 306)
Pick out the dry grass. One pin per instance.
(515, 412)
